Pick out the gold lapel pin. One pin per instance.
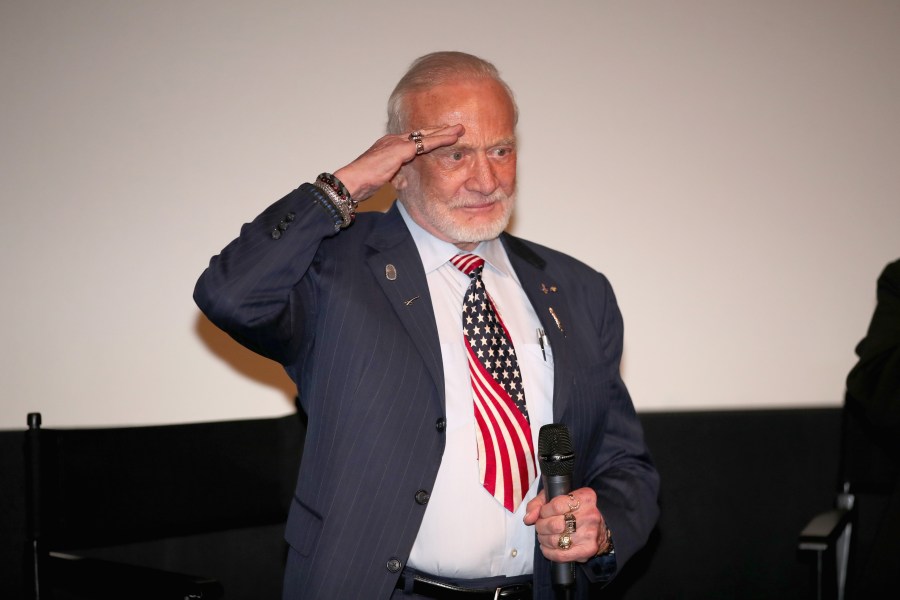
(558, 322)
(390, 271)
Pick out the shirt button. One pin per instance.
(422, 497)
(514, 553)
(440, 424)
(394, 565)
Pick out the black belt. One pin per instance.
(440, 590)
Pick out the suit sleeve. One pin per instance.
(250, 289)
(620, 470)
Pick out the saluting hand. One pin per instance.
(378, 165)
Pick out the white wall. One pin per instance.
(732, 166)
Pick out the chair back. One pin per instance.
(99, 487)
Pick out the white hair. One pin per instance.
(435, 69)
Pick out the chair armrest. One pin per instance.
(97, 578)
(823, 530)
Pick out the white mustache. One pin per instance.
(480, 201)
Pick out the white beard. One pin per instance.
(440, 216)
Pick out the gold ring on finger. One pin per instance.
(565, 541)
(570, 522)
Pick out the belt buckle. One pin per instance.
(513, 588)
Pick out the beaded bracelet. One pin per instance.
(335, 184)
(341, 205)
(325, 201)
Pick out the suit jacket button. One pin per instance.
(276, 233)
(394, 565)
(289, 217)
(440, 424)
(422, 497)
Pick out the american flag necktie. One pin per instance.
(503, 430)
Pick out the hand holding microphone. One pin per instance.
(569, 524)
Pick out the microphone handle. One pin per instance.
(561, 574)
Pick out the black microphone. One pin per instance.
(557, 460)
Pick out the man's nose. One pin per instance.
(482, 178)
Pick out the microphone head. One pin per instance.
(555, 450)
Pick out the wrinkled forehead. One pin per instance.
(480, 105)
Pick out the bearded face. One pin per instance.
(464, 193)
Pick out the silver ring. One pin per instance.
(565, 541)
(416, 138)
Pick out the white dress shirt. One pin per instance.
(466, 532)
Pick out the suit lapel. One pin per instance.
(552, 308)
(397, 267)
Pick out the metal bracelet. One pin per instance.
(340, 189)
(339, 203)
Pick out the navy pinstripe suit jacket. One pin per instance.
(369, 375)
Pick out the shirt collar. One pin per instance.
(435, 253)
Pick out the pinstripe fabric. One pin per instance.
(369, 375)
(505, 449)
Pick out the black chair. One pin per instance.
(105, 487)
(844, 542)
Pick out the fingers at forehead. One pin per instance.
(441, 129)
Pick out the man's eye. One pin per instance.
(456, 156)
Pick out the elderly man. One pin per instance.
(429, 347)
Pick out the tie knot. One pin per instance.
(467, 263)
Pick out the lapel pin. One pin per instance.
(411, 300)
(558, 322)
(390, 271)
(546, 290)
